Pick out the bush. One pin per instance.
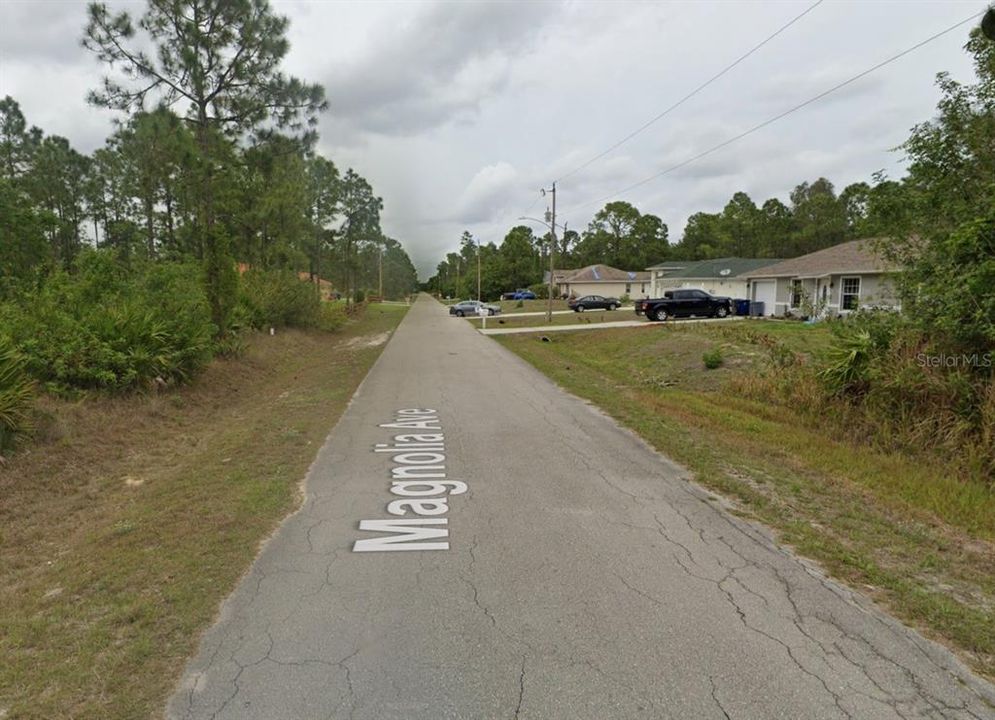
(359, 297)
(275, 298)
(541, 291)
(875, 385)
(109, 325)
(331, 317)
(712, 358)
(16, 395)
(848, 363)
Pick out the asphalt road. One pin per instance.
(585, 577)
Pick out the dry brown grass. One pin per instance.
(131, 518)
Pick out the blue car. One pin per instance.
(522, 294)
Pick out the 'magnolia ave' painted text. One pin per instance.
(418, 479)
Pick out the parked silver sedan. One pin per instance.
(472, 307)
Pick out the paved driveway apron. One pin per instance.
(584, 578)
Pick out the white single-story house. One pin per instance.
(601, 280)
(721, 276)
(834, 281)
(659, 272)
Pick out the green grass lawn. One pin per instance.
(509, 307)
(131, 518)
(907, 530)
(591, 317)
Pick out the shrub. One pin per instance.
(331, 317)
(541, 291)
(520, 303)
(712, 358)
(16, 395)
(359, 296)
(230, 345)
(275, 298)
(848, 363)
(874, 386)
(112, 326)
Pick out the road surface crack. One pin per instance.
(521, 689)
(715, 697)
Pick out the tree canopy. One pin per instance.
(214, 161)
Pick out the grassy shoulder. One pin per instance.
(131, 518)
(907, 530)
(591, 317)
(509, 307)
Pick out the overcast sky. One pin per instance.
(458, 112)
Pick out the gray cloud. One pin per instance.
(42, 31)
(435, 69)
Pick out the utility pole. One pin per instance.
(552, 250)
(478, 271)
(381, 273)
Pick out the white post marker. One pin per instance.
(482, 312)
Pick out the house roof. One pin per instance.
(558, 275)
(720, 268)
(605, 273)
(854, 257)
(675, 265)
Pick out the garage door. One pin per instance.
(765, 291)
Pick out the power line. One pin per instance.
(774, 119)
(529, 208)
(694, 92)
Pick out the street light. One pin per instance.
(551, 225)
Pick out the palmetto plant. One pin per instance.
(847, 362)
(16, 394)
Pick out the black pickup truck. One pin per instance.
(677, 303)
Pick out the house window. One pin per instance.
(796, 293)
(850, 293)
(628, 288)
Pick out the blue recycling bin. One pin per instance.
(757, 309)
(742, 306)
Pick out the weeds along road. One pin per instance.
(542, 563)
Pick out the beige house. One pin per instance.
(833, 281)
(722, 276)
(602, 280)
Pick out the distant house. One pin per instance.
(834, 281)
(326, 288)
(721, 276)
(601, 280)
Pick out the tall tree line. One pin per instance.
(619, 235)
(213, 159)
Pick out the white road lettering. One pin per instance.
(411, 537)
(419, 477)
